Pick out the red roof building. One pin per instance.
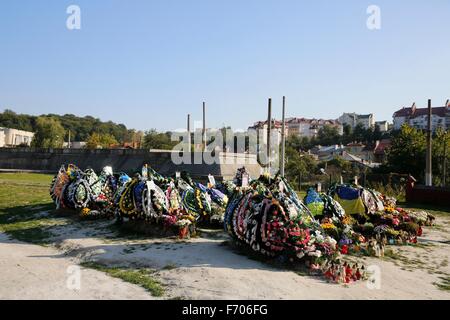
(418, 117)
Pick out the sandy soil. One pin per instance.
(34, 272)
(207, 268)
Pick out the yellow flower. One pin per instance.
(347, 220)
(328, 225)
(85, 212)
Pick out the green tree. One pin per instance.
(441, 156)
(407, 153)
(158, 140)
(299, 143)
(96, 140)
(377, 134)
(80, 127)
(49, 133)
(359, 133)
(347, 136)
(299, 166)
(328, 135)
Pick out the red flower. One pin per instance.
(344, 249)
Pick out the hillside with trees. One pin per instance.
(80, 127)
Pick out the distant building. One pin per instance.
(353, 119)
(13, 137)
(75, 144)
(363, 151)
(326, 153)
(383, 125)
(363, 158)
(418, 117)
(261, 129)
(310, 127)
(381, 150)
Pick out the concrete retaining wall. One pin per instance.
(127, 160)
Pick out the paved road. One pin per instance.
(34, 272)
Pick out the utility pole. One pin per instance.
(69, 140)
(447, 104)
(269, 128)
(428, 169)
(204, 127)
(444, 180)
(283, 136)
(189, 132)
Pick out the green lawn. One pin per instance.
(22, 189)
(22, 196)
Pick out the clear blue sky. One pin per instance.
(147, 63)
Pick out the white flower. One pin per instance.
(316, 253)
(319, 238)
(332, 242)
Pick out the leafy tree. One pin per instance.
(407, 153)
(359, 133)
(339, 167)
(347, 135)
(156, 140)
(96, 140)
(441, 156)
(299, 143)
(10, 119)
(80, 127)
(298, 165)
(328, 135)
(377, 134)
(49, 133)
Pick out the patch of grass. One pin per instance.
(22, 197)
(444, 284)
(27, 178)
(301, 194)
(142, 277)
(169, 266)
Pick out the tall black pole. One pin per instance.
(428, 169)
(204, 127)
(283, 137)
(269, 128)
(189, 131)
(444, 173)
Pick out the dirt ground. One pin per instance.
(207, 268)
(30, 271)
